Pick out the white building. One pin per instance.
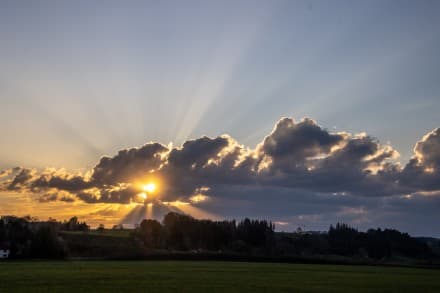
(4, 253)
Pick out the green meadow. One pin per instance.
(186, 276)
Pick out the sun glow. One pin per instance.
(143, 195)
(150, 187)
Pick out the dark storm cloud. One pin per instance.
(294, 156)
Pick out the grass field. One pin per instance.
(175, 276)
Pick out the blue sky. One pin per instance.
(92, 77)
(83, 79)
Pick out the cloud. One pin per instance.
(291, 145)
(116, 194)
(62, 182)
(128, 165)
(21, 177)
(423, 170)
(304, 155)
(297, 156)
(56, 195)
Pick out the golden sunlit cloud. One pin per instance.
(176, 203)
(198, 198)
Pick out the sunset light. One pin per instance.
(150, 187)
(224, 137)
(143, 195)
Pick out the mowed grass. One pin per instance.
(186, 276)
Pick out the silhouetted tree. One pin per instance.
(150, 233)
(101, 228)
(343, 239)
(17, 234)
(74, 225)
(46, 244)
(256, 233)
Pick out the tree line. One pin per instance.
(347, 241)
(28, 238)
(183, 232)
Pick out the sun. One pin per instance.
(150, 187)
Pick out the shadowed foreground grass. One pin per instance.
(175, 276)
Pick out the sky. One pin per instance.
(314, 111)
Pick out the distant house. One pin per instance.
(4, 253)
